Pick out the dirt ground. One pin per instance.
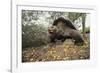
(57, 52)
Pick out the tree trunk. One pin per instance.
(83, 24)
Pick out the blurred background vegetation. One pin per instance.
(36, 23)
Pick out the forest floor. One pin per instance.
(61, 52)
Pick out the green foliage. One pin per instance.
(74, 16)
(87, 30)
(33, 35)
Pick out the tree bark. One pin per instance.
(83, 24)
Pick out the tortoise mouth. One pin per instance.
(51, 32)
